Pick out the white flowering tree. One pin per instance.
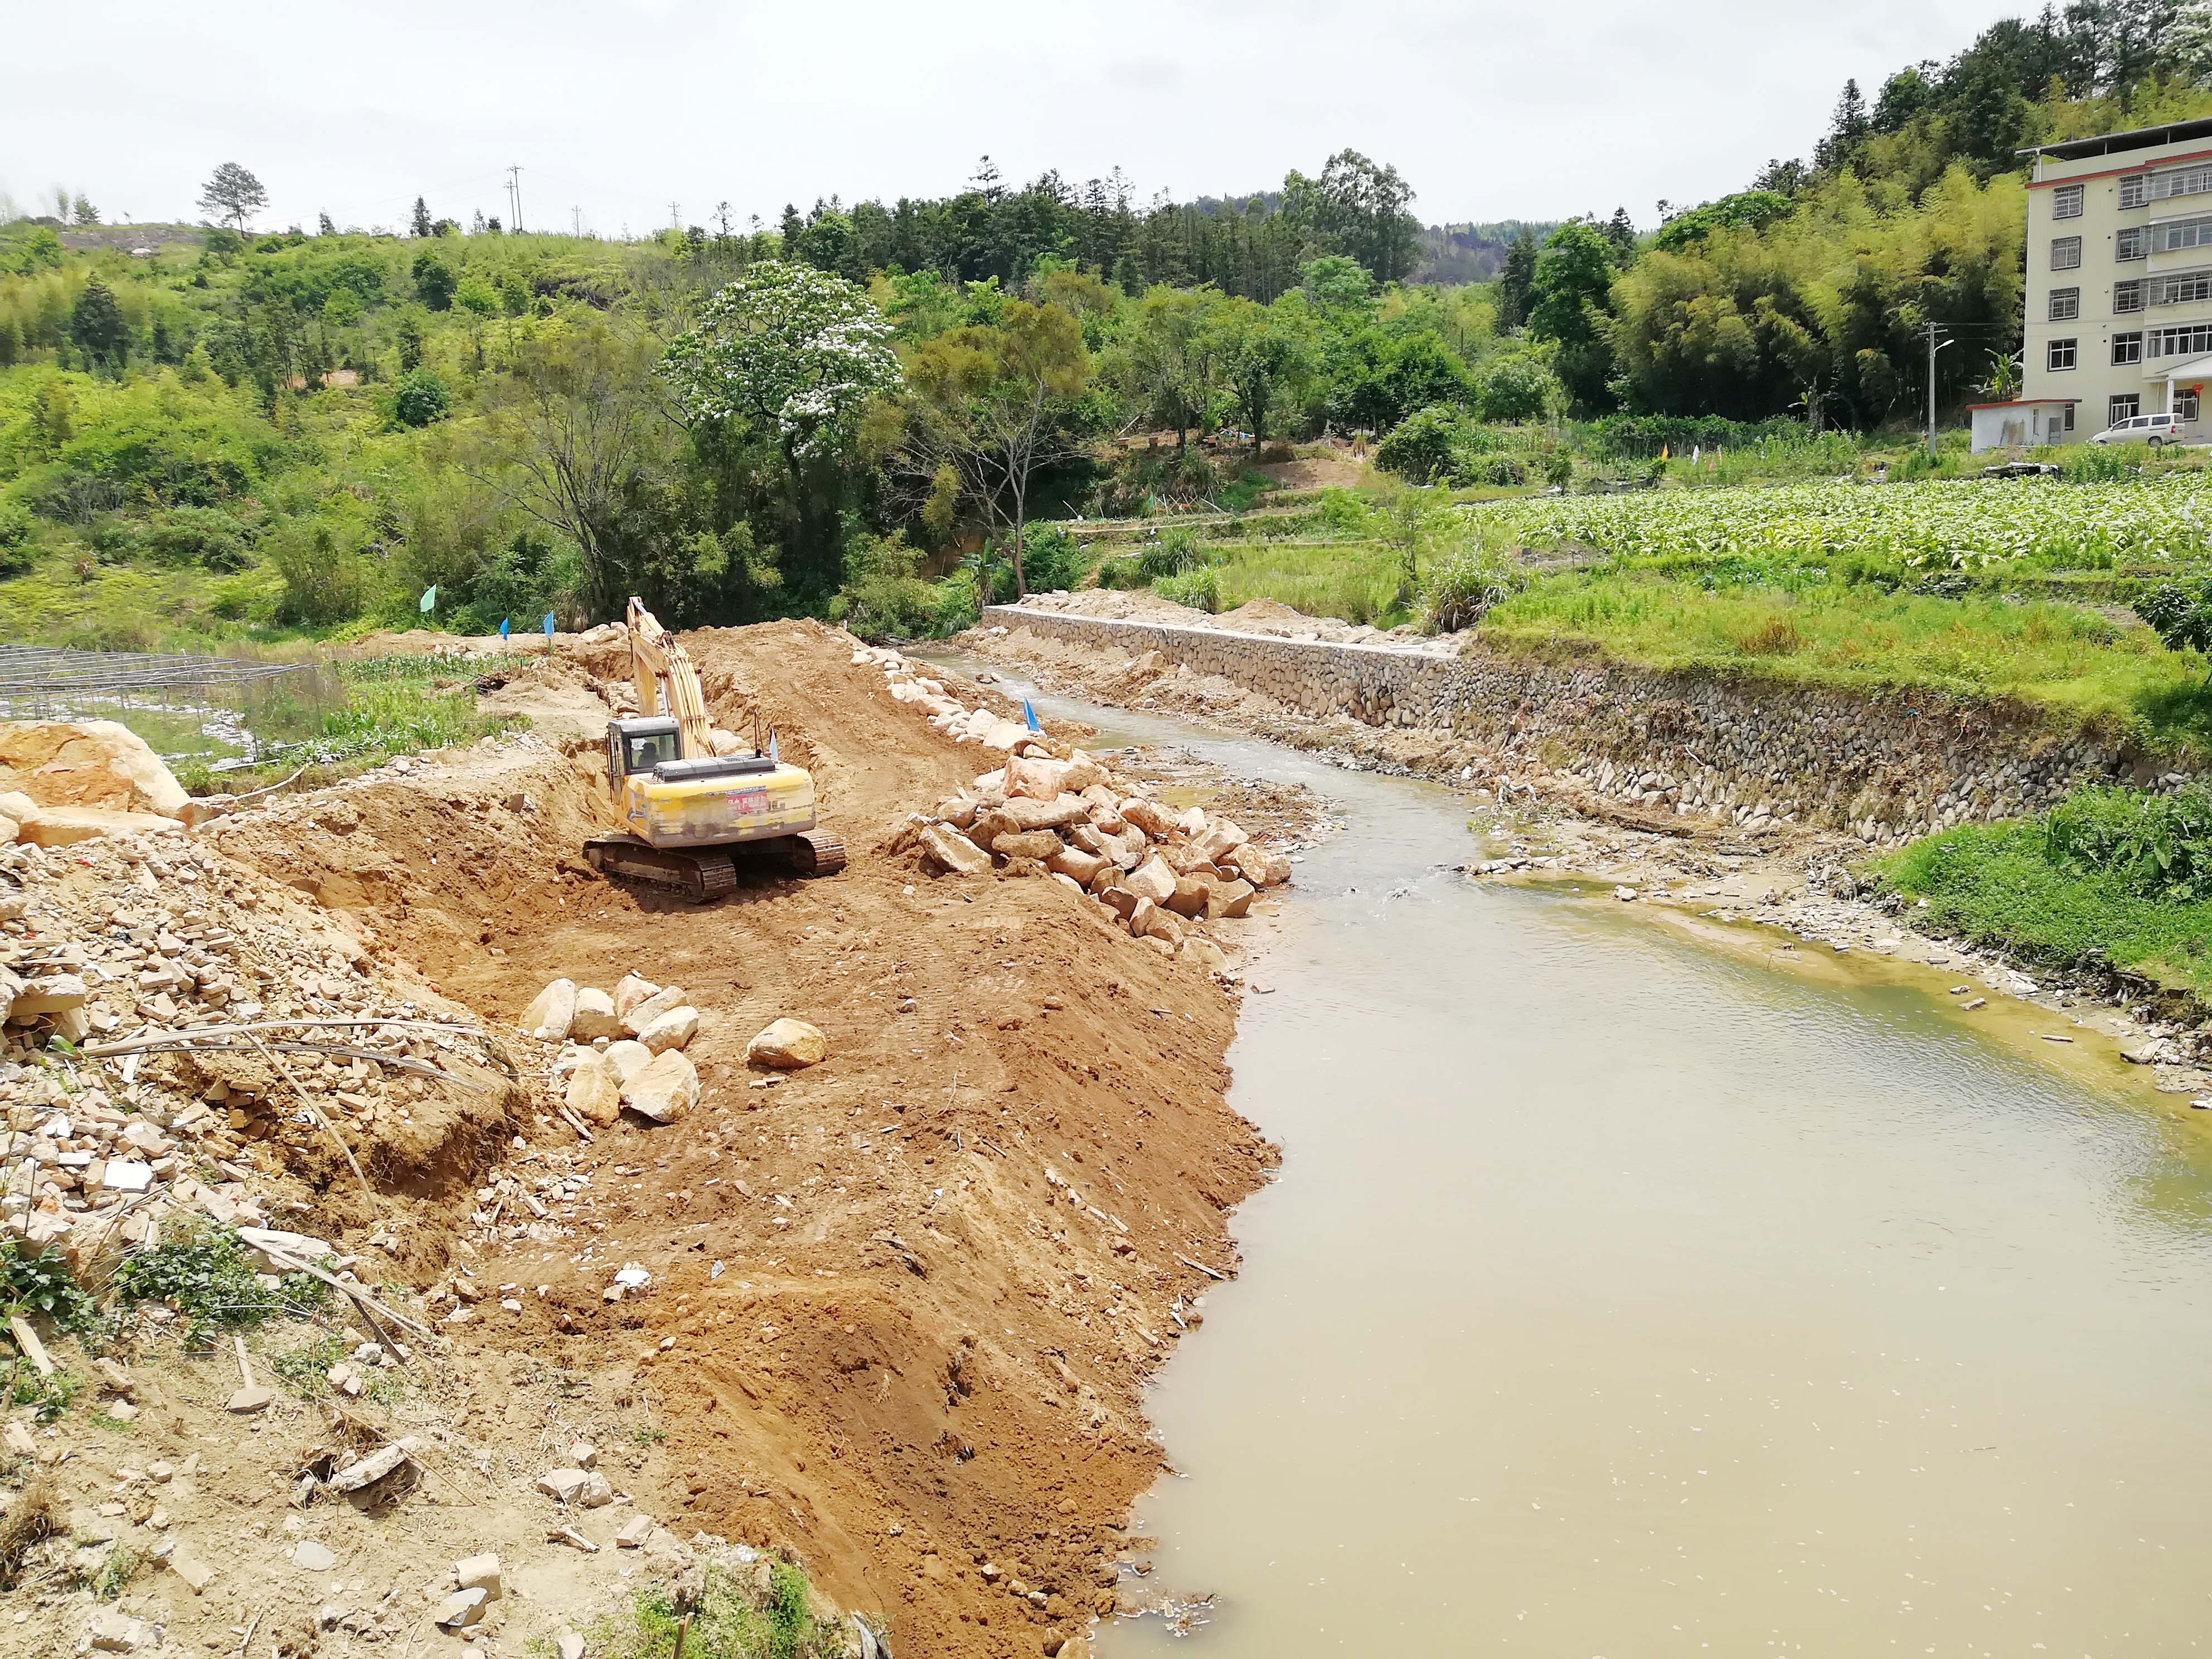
(795, 352)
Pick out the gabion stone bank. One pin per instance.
(1885, 764)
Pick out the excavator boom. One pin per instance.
(666, 682)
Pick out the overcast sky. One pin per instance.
(618, 107)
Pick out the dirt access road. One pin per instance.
(886, 1326)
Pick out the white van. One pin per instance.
(2152, 429)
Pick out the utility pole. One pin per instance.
(576, 222)
(515, 190)
(1933, 348)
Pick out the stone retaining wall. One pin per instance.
(1885, 764)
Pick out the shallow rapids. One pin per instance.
(1621, 1296)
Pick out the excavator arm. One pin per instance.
(666, 682)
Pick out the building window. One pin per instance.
(2066, 253)
(2126, 349)
(2181, 234)
(2182, 288)
(2127, 296)
(2069, 417)
(2184, 403)
(2190, 340)
(2122, 406)
(2133, 243)
(2061, 356)
(2133, 189)
(2065, 304)
(2183, 181)
(2066, 202)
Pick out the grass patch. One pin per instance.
(1858, 637)
(48, 1397)
(733, 1620)
(1997, 885)
(1353, 581)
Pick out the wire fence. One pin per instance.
(181, 704)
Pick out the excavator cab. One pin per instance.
(691, 812)
(640, 746)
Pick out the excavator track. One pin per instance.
(817, 853)
(698, 875)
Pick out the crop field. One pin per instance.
(1966, 526)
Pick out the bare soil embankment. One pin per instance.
(879, 1330)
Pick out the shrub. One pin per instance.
(956, 604)
(1051, 559)
(200, 535)
(421, 399)
(1467, 585)
(1518, 388)
(42, 1285)
(1499, 470)
(2180, 613)
(2160, 846)
(202, 1271)
(18, 543)
(1123, 572)
(1342, 511)
(1426, 445)
(1173, 555)
(324, 580)
(1199, 589)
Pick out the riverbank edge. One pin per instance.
(1800, 874)
(1884, 766)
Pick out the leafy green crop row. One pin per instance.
(1969, 525)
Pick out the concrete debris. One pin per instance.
(788, 1045)
(462, 1609)
(635, 1532)
(368, 1471)
(566, 1644)
(584, 1489)
(479, 1572)
(312, 1557)
(116, 1632)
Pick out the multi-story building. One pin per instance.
(2119, 286)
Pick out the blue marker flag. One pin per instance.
(1030, 714)
(502, 630)
(549, 624)
(429, 599)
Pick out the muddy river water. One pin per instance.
(1623, 1295)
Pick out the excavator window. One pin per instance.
(648, 752)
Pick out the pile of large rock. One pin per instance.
(620, 1048)
(1055, 811)
(64, 782)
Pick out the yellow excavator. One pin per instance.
(695, 806)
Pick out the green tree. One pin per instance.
(480, 300)
(1573, 283)
(409, 337)
(433, 281)
(422, 399)
(991, 401)
(232, 196)
(97, 325)
(1359, 209)
(1262, 354)
(82, 210)
(1517, 280)
(418, 221)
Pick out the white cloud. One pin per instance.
(1492, 110)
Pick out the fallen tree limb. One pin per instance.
(153, 1039)
(368, 1303)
